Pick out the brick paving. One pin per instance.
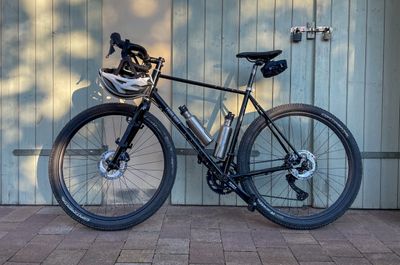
(197, 235)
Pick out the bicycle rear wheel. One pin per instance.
(320, 188)
(111, 199)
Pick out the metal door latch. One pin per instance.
(311, 30)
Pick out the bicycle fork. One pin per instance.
(134, 125)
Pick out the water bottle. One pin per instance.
(223, 137)
(196, 127)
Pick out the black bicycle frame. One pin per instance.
(204, 157)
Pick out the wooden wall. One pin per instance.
(50, 53)
(355, 76)
(51, 50)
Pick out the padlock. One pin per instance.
(326, 35)
(296, 35)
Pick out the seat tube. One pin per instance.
(242, 112)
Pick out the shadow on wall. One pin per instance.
(50, 52)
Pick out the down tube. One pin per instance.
(163, 106)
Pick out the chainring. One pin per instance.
(217, 185)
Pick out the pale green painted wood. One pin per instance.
(61, 66)
(283, 22)
(44, 96)
(36, 87)
(212, 74)
(301, 66)
(247, 37)
(321, 97)
(179, 91)
(390, 106)
(9, 101)
(27, 70)
(373, 97)
(195, 94)
(229, 63)
(356, 77)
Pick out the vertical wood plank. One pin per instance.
(212, 75)
(247, 43)
(94, 50)
(283, 22)
(356, 77)
(194, 171)
(230, 47)
(321, 99)
(390, 106)
(9, 101)
(79, 84)
(61, 66)
(302, 55)
(373, 97)
(265, 42)
(179, 90)
(44, 95)
(1, 110)
(27, 164)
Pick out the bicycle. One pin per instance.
(113, 165)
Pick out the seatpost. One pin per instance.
(252, 76)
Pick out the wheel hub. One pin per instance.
(307, 166)
(113, 173)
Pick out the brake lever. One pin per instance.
(115, 39)
(111, 50)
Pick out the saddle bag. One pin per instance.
(273, 68)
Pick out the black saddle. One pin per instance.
(259, 56)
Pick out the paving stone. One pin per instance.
(178, 220)
(5, 210)
(20, 213)
(276, 256)
(51, 210)
(141, 240)
(18, 263)
(153, 224)
(237, 241)
(383, 258)
(144, 255)
(268, 238)
(242, 258)
(328, 233)
(37, 249)
(59, 226)
(203, 252)
(35, 222)
(112, 236)
(101, 254)
(340, 249)
(168, 259)
(175, 231)
(317, 263)
(16, 239)
(368, 244)
(173, 246)
(205, 235)
(307, 253)
(299, 238)
(234, 226)
(78, 239)
(205, 223)
(351, 261)
(64, 257)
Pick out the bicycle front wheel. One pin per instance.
(118, 198)
(317, 190)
